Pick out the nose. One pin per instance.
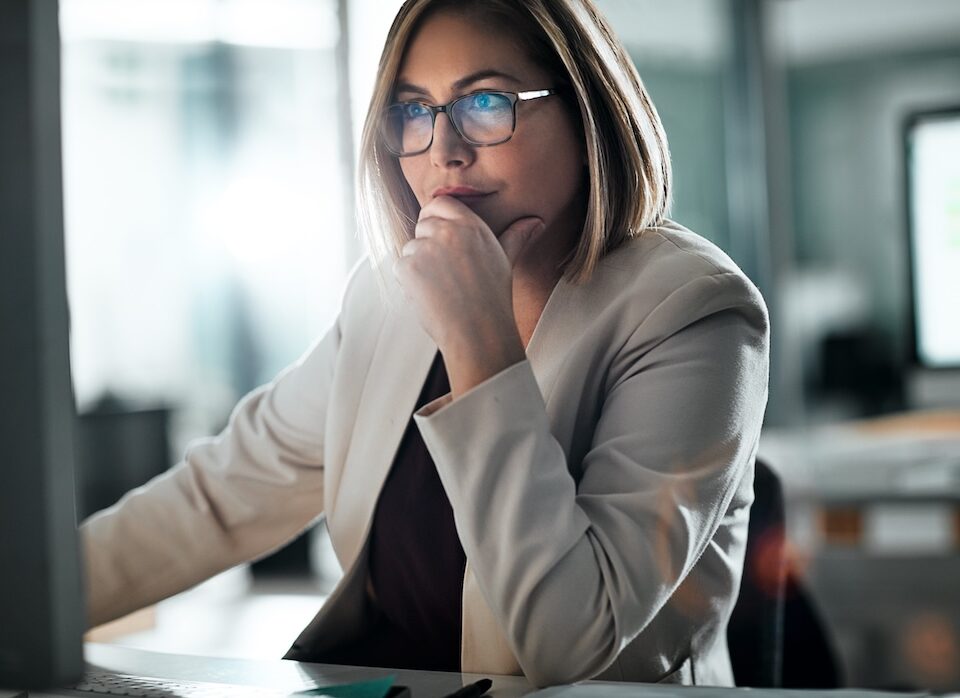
(448, 148)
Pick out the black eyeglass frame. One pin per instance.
(514, 98)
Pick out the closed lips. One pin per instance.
(459, 191)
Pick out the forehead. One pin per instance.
(448, 46)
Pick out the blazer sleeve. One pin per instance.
(575, 570)
(233, 498)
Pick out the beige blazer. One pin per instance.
(600, 488)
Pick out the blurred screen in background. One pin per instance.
(933, 175)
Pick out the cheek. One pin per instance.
(556, 153)
(555, 174)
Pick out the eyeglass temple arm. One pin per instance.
(534, 94)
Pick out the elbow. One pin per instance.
(567, 655)
(560, 639)
(543, 671)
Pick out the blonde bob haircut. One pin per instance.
(628, 161)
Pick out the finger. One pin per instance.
(404, 270)
(518, 235)
(409, 248)
(399, 271)
(447, 207)
(430, 227)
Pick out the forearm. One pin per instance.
(574, 569)
(529, 541)
(156, 543)
(233, 498)
(474, 359)
(188, 525)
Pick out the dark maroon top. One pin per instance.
(416, 562)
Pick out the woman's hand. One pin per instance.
(458, 276)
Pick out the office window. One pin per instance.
(681, 50)
(207, 199)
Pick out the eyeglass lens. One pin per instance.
(484, 118)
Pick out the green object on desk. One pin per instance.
(378, 688)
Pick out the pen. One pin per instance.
(473, 690)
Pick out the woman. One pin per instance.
(532, 432)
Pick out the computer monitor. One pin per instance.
(932, 166)
(41, 610)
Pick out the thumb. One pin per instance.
(518, 235)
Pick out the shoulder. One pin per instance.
(670, 262)
(667, 257)
(658, 283)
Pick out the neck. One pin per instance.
(537, 272)
(528, 305)
(534, 278)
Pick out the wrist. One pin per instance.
(471, 361)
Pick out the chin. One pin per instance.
(496, 223)
(498, 228)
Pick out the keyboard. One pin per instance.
(108, 683)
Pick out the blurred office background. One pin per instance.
(208, 166)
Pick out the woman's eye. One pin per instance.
(482, 101)
(414, 110)
(487, 103)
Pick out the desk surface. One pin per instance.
(282, 673)
(424, 684)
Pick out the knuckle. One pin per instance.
(424, 227)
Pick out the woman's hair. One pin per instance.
(626, 147)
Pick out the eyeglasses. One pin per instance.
(480, 118)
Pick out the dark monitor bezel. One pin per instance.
(42, 616)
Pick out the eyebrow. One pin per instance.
(404, 86)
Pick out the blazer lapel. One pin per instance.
(400, 364)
